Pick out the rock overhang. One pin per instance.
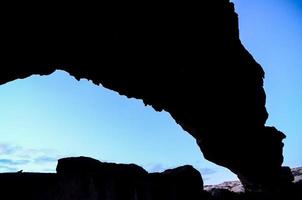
(185, 59)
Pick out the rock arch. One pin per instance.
(185, 59)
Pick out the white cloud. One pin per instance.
(14, 157)
(13, 162)
(6, 149)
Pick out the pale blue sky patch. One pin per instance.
(6, 149)
(8, 169)
(12, 162)
(207, 171)
(45, 159)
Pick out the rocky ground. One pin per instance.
(297, 172)
(233, 186)
(233, 190)
(236, 186)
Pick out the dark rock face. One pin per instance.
(183, 58)
(31, 186)
(224, 194)
(86, 178)
(120, 181)
(89, 166)
(182, 183)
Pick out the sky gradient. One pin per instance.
(45, 118)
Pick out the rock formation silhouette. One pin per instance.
(80, 178)
(183, 58)
(83, 178)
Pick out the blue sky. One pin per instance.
(45, 118)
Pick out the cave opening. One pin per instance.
(45, 118)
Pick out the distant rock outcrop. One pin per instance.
(234, 190)
(233, 186)
(297, 173)
(237, 187)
